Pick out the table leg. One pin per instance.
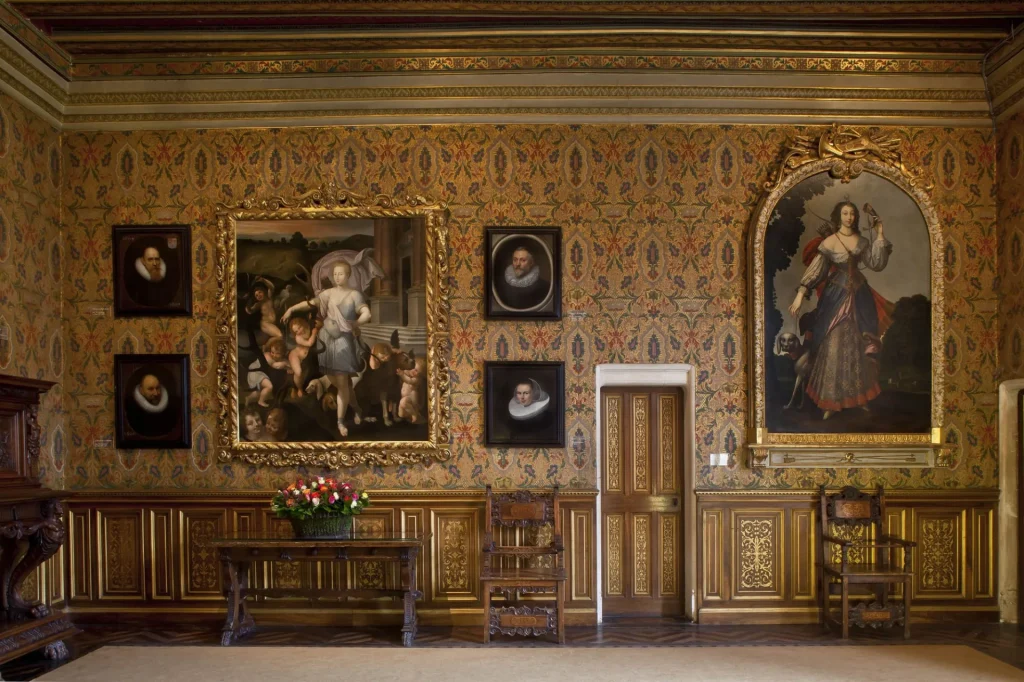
(239, 622)
(409, 583)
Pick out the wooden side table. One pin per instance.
(239, 551)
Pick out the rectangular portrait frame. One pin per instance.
(371, 228)
(139, 251)
(535, 293)
(847, 364)
(167, 375)
(510, 424)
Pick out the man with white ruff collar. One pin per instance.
(529, 416)
(521, 286)
(150, 411)
(147, 280)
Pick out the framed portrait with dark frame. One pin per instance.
(524, 404)
(523, 273)
(152, 403)
(152, 270)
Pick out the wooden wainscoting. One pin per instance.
(757, 552)
(148, 553)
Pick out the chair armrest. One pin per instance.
(837, 541)
(898, 541)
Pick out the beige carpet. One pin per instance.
(696, 664)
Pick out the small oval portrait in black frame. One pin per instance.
(523, 273)
(152, 401)
(152, 270)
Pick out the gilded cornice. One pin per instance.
(17, 88)
(449, 63)
(518, 92)
(33, 40)
(228, 45)
(427, 116)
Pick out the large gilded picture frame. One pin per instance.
(333, 318)
(846, 309)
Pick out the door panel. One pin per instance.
(640, 501)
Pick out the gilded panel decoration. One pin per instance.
(641, 554)
(613, 559)
(668, 554)
(758, 550)
(667, 415)
(454, 555)
(613, 443)
(939, 543)
(641, 443)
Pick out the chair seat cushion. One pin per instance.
(522, 575)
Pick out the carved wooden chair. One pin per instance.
(514, 569)
(856, 554)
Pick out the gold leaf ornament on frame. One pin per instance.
(331, 202)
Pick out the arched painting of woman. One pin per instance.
(847, 309)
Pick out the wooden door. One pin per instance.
(641, 495)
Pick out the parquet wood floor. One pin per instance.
(1004, 642)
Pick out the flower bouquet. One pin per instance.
(321, 508)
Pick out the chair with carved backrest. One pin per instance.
(856, 551)
(522, 573)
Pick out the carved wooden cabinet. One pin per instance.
(31, 525)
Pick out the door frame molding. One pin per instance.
(655, 375)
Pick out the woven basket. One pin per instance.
(321, 526)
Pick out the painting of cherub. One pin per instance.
(315, 298)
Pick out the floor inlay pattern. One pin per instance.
(1004, 642)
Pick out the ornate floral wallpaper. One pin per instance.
(1011, 249)
(655, 227)
(31, 264)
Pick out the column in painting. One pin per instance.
(417, 298)
(385, 306)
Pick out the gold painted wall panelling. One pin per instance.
(119, 548)
(940, 563)
(456, 549)
(580, 541)
(983, 538)
(80, 551)
(803, 554)
(712, 560)
(448, 568)
(161, 553)
(749, 580)
(200, 569)
(757, 553)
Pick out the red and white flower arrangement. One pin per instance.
(320, 496)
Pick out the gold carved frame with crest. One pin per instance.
(845, 153)
(332, 203)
